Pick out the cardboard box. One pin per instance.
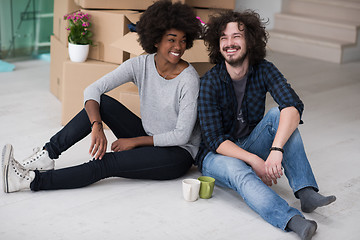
(198, 53)
(131, 100)
(224, 4)
(202, 68)
(107, 27)
(58, 55)
(115, 4)
(204, 14)
(144, 4)
(77, 76)
(61, 8)
(128, 43)
(129, 97)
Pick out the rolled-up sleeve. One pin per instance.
(281, 90)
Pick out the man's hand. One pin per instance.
(98, 142)
(123, 144)
(258, 165)
(289, 121)
(273, 165)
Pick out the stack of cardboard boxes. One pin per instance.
(113, 44)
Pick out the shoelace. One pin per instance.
(37, 153)
(20, 170)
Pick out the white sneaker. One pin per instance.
(7, 153)
(15, 177)
(39, 160)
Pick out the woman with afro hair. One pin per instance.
(160, 145)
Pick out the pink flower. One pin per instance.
(79, 25)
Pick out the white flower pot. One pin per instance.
(78, 53)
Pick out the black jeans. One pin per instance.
(157, 163)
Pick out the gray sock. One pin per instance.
(302, 227)
(310, 199)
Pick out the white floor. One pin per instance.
(136, 209)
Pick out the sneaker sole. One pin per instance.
(6, 154)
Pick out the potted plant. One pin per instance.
(79, 35)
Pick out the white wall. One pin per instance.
(266, 8)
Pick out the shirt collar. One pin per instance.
(224, 75)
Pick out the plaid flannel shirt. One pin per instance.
(217, 104)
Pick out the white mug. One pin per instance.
(191, 188)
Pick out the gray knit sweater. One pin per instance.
(168, 108)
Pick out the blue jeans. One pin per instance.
(237, 175)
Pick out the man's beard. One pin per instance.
(236, 61)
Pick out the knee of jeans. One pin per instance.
(107, 103)
(241, 179)
(104, 98)
(101, 168)
(273, 117)
(274, 112)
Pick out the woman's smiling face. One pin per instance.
(172, 45)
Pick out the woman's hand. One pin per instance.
(98, 142)
(123, 144)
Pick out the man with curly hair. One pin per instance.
(241, 148)
(160, 145)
